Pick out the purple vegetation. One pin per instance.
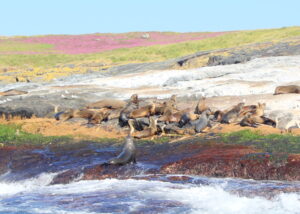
(93, 43)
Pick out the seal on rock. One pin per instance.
(131, 106)
(128, 154)
(145, 111)
(201, 106)
(287, 89)
(147, 132)
(202, 122)
(233, 114)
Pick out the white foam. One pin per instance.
(11, 188)
(204, 199)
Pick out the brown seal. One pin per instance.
(145, 111)
(254, 121)
(287, 89)
(93, 116)
(201, 106)
(132, 105)
(233, 114)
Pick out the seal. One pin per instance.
(187, 117)
(128, 154)
(201, 106)
(233, 114)
(139, 124)
(147, 132)
(254, 121)
(260, 110)
(170, 116)
(287, 89)
(93, 116)
(248, 121)
(169, 105)
(202, 122)
(248, 109)
(132, 105)
(145, 111)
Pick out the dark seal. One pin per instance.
(128, 154)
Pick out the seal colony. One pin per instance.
(149, 118)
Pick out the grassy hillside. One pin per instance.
(30, 58)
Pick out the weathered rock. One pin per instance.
(43, 106)
(224, 60)
(241, 56)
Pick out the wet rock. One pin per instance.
(178, 178)
(237, 161)
(24, 160)
(66, 177)
(5, 154)
(103, 171)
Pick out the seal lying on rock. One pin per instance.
(233, 114)
(169, 105)
(187, 117)
(147, 132)
(128, 154)
(170, 117)
(145, 111)
(93, 116)
(253, 121)
(287, 89)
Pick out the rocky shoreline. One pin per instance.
(199, 156)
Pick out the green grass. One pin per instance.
(151, 53)
(273, 143)
(13, 135)
(13, 46)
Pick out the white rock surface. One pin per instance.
(259, 76)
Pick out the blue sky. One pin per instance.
(36, 17)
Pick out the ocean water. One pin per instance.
(148, 195)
